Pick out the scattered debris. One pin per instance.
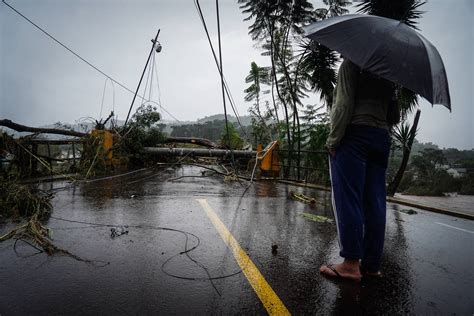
(317, 218)
(39, 237)
(17, 200)
(301, 197)
(231, 177)
(408, 211)
(119, 231)
(274, 249)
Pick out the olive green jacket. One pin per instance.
(359, 98)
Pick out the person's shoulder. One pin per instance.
(348, 64)
(349, 69)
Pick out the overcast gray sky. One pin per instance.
(41, 83)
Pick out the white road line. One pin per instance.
(464, 230)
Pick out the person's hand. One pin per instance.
(332, 152)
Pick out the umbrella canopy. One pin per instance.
(387, 48)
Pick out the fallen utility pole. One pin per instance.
(202, 152)
(191, 140)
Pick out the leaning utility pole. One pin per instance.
(153, 43)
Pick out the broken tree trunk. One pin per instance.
(23, 128)
(392, 188)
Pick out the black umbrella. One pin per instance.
(387, 48)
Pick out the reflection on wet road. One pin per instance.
(172, 260)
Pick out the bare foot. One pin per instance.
(345, 270)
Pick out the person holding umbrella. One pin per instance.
(380, 53)
(359, 146)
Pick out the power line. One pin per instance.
(227, 90)
(222, 81)
(77, 55)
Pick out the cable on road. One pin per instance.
(186, 250)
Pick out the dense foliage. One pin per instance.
(429, 170)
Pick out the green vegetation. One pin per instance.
(142, 130)
(317, 218)
(236, 142)
(295, 67)
(211, 130)
(427, 172)
(21, 200)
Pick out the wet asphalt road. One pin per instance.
(427, 263)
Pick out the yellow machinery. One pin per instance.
(269, 160)
(106, 141)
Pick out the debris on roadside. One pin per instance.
(317, 218)
(408, 211)
(301, 197)
(231, 177)
(119, 231)
(274, 249)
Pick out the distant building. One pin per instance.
(457, 172)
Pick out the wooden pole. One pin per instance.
(49, 160)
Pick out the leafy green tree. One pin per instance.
(429, 176)
(274, 22)
(263, 126)
(142, 131)
(236, 142)
(145, 116)
(315, 132)
(257, 76)
(278, 26)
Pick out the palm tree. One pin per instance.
(318, 64)
(403, 10)
(336, 7)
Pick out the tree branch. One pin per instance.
(23, 128)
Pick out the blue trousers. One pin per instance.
(358, 193)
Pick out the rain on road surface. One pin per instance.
(427, 263)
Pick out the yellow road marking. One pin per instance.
(265, 293)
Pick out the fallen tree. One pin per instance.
(23, 128)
